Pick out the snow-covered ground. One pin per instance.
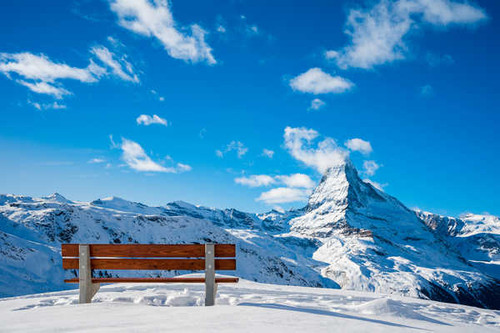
(243, 307)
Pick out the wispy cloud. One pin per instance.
(284, 195)
(268, 153)
(370, 167)
(119, 67)
(147, 120)
(299, 180)
(255, 180)
(249, 29)
(137, 159)
(316, 104)
(299, 142)
(47, 106)
(45, 88)
(96, 160)
(160, 98)
(360, 145)
(155, 19)
(379, 33)
(237, 146)
(315, 81)
(42, 75)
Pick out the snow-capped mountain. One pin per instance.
(373, 242)
(476, 237)
(33, 229)
(350, 235)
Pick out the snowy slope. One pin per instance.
(476, 237)
(350, 235)
(243, 307)
(31, 231)
(373, 242)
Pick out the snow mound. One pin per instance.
(246, 306)
(390, 307)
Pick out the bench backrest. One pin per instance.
(147, 256)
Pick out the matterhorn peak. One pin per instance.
(339, 182)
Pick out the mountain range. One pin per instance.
(350, 235)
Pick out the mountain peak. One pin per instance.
(120, 204)
(56, 197)
(336, 185)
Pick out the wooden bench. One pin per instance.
(195, 257)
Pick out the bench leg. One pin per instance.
(210, 285)
(87, 288)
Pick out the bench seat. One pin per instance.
(136, 257)
(157, 280)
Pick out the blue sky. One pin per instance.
(244, 103)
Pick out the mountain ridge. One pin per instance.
(349, 235)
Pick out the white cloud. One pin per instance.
(249, 29)
(155, 19)
(233, 146)
(183, 167)
(96, 160)
(221, 29)
(121, 68)
(316, 104)
(47, 106)
(298, 141)
(137, 159)
(160, 98)
(45, 88)
(40, 67)
(445, 12)
(360, 145)
(331, 54)
(55, 106)
(43, 76)
(147, 120)
(284, 195)
(378, 34)
(370, 167)
(268, 153)
(252, 30)
(315, 81)
(297, 180)
(255, 180)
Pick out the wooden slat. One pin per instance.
(149, 250)
(156, 280)
(152, 264)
